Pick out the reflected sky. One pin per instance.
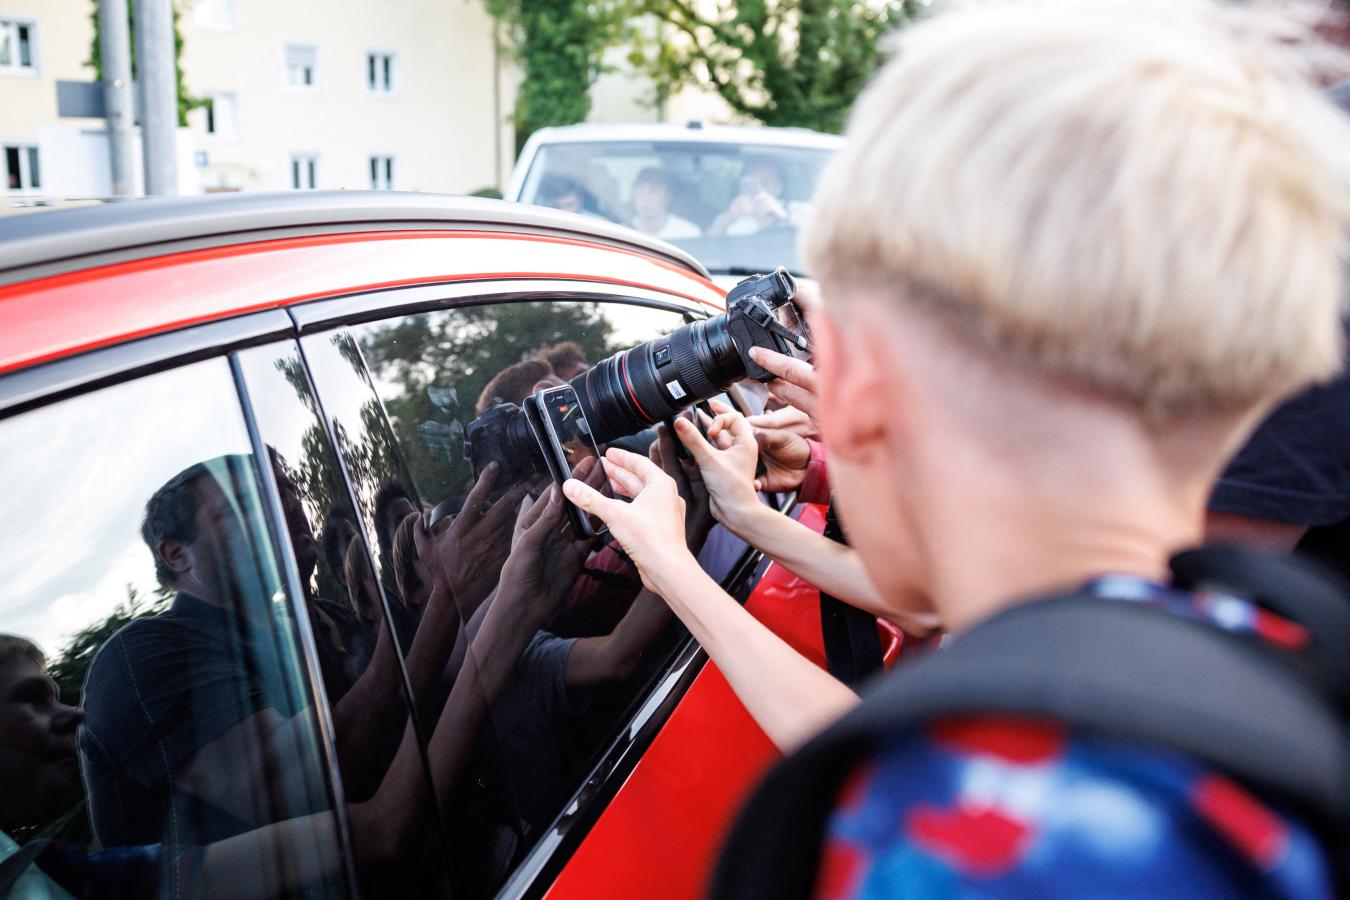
(74, 484)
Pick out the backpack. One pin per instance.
(1273, 720)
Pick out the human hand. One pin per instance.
(726, 459)
(769, 208)
(544, 561)
(466, 557)
(785, 457)
(698, 518)
(786, 418)
(795, 383)
(651, 528)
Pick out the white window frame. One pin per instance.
(34, 67)
(286, 66)
(387, 161)
(211, 115)
(300, 164)
(27, 150)
(376, 89)
(226, 16)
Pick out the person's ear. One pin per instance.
(174, 555)
(852, 400)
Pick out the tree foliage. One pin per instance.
(780, 62)
(450, 356)
(559, 45)
(186, 102)
(69, 666)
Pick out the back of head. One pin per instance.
(14, 648)
(1144, 199)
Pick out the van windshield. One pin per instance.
(736, 208)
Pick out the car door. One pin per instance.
(596, 681)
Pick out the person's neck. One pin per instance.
(1001, 533)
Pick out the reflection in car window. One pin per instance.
(736, 208)
(584, 640)
(354, 641)
(156, 734)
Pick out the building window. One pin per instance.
(218, 116)
(21, 168)
(217, 15)
(304, 171)
(302, 65)
(380, 72)
(18, 47)
(381, 173)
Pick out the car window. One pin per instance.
(582, 642)
(356, 642)
(157, 733)
(736, 208)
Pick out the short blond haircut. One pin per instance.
(1145, 198)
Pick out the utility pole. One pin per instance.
(158, 79)
(115, 48)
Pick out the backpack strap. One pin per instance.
(1123, 670)
(852, 643)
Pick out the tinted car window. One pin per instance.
(355, 641)
(577, 638)
(157, 737)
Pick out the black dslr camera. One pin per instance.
(652, 382)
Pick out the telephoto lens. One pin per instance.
(636, 388)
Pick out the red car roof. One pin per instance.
(93, 299)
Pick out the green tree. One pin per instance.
(456, 353)
(186, 102)
(780, 62)
(69, 666)
(559, 45)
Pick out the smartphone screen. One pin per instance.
(569, 434)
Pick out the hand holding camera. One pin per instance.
(726, 459)
(698, 517)
(466, 556)
(544, 561)
(650, 529)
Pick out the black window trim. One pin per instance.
(285, 553)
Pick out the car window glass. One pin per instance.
(157, 735)
(354, 640)
(736, 208)
(560, 638)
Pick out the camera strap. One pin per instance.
(852, 643)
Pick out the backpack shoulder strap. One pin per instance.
(1119, 669)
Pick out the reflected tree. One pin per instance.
(440, 362)
(69, 666)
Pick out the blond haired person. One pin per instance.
(1071, 253)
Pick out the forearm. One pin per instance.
(431, 647)
(789, 696)
(830, 566)
(615, 656)
(277, 859)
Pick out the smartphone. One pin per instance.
(567, 441)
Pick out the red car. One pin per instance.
(226, 426)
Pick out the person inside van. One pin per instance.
(653, 191)
(1071, 254)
